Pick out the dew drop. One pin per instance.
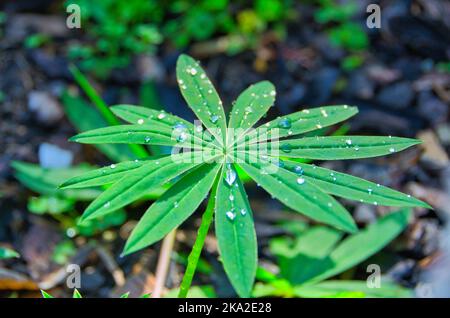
(231, 197)
(113, 166)
(107, 204)
(161, 116)
(175, 204)
(285, 123)
(243, 211)
(391, 150)
(298, 170)
(147, 139)
(273, 93)
(248, 109)
(214, 118)
(300, 180)
(140, 121)
(193, 71)
(182, 137)
(230, 176)
(286, 148)
(231, 215)
(179, 126)
(348, 142)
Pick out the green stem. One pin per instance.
(101, 106)
(199, 242)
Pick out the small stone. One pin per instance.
(51, 156)
(45, 107)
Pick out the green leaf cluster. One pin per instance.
(305, 188)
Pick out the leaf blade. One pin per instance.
(201, 96)
(343, 147)
(250, 106)
(236, 238)
(353, 188)
(310, 119)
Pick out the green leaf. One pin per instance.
(105, 175)
(135, 114)
(6, 253)
(309, 120)
(341, 288)
(301, 196)
(76, 294)
(76, 108)
(360, 246)
(172, 208)
(137, 183)
(201, 96)
(45, 294)
(235, 232)
(343, 147)
(251, 105)
(353, 188)
(46, 181)
(307, 256)
(125, 295)
(132, 114)
(128, 134)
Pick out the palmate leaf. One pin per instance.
(301, 195)
(353, 188)
(235, 232)
(343, 147)
(308, 193)
(201, 96)
(173, 207)
(250, 106)
(309, 120)
(139, 182)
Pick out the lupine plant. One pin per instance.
(210, 158)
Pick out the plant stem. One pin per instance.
(163, 263)
(101, 106)
(199, 242)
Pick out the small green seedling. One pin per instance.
(206, 162)
(319, 253)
